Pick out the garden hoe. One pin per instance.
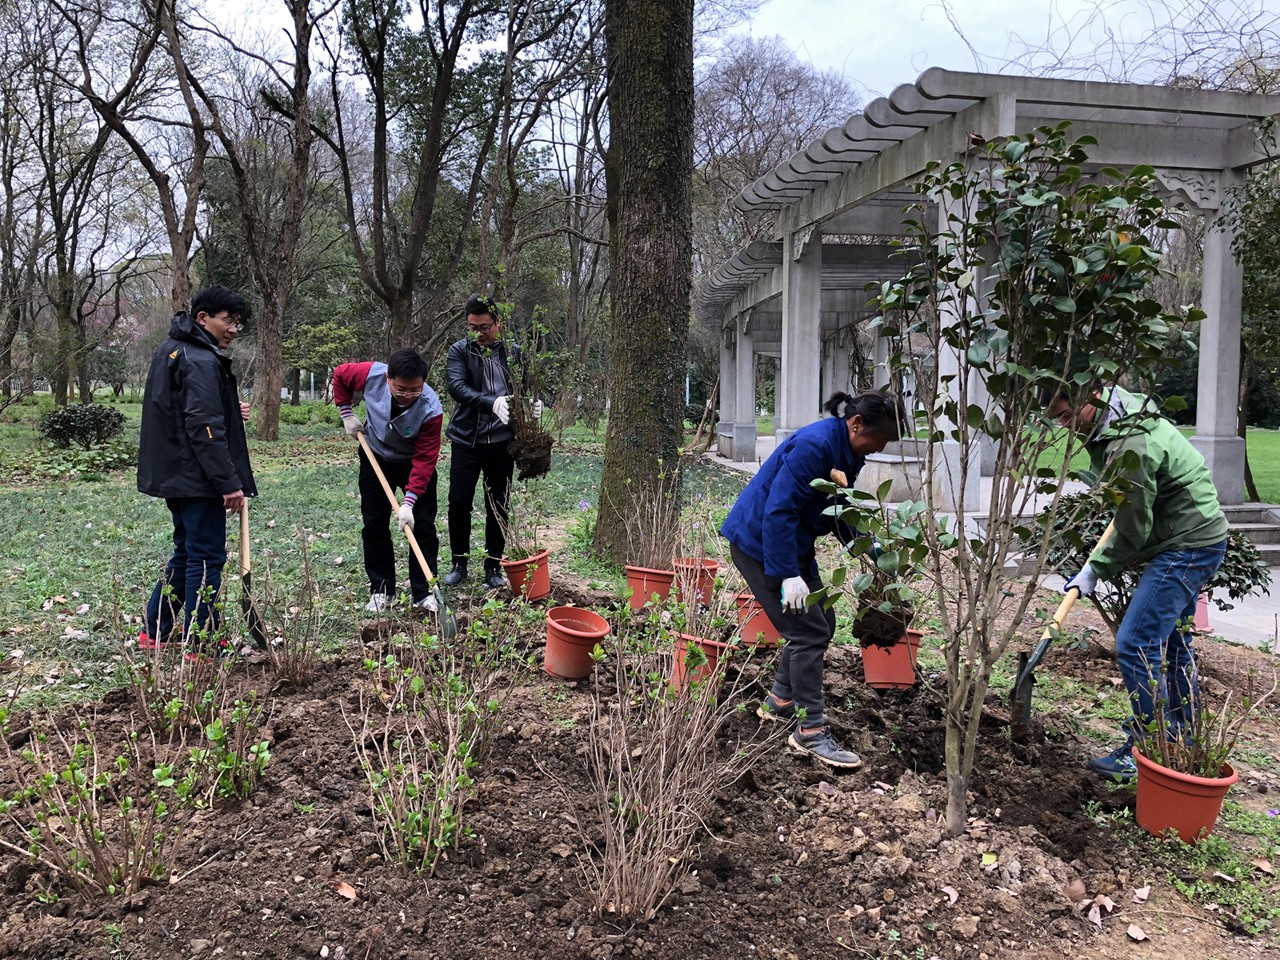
(252, 618)
(448, 623)
(1020, 702)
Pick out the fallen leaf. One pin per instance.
(874, 914)
(1095, 916)
(345, 889)
(1140, 895)
(271, 524)
(1222, 876)
(1135, 932)
(988, 859)
(1106, 902)
(883, 786)
(47, 605)
(828, 790)
(1265, 866)
(59, 599)
(337, 561)
(82, 609)
(951, 894)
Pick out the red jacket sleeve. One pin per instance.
(347, 379)
(425, 455)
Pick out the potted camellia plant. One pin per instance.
(1184, 774)
(525, 562)
(886, 560)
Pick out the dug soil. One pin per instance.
(795, 861)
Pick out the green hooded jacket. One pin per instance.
(1169, 500)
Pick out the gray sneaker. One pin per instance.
(821, 745)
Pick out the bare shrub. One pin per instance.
(652, 520)
(293, 648)
(101, 820)
(657, 760)
(422, 728)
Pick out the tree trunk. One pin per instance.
(295, 386)
(84, 375)
(649, 169)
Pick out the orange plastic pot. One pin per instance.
(645, 582)
(1169, 801)
(893, 668)
(572, 633)
(695, 576)
(682, 675)
(754, 625)
(529, 578)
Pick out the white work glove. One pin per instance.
(537, 409)
(1085, 581)
(794, 590)
(352, 425)
(502, 409)
(405, 517)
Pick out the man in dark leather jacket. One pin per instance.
(194, 454)
(478, 376)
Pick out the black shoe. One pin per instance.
(456, 574)
(495, 579)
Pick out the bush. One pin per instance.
(85, 425)
(92, 464)
(295, 415)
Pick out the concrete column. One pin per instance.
(839, 379)
(950, 492)
(880, 357)
(728, 391)
(744, 427)
(799, 401)
(1219, 374)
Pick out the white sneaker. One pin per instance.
(427, 603)
(378, 602)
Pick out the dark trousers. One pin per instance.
(808, 634)
(466, 465)
(375, 511)
(193, 575)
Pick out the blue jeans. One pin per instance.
(1153, 643)
(193, 575)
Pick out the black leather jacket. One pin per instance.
(464, 378)
(192, 442)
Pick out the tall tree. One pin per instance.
(648, 168)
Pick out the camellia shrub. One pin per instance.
(85, 425)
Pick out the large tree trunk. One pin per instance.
(649, 168)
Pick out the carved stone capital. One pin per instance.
(1201, 189)
(800, 241)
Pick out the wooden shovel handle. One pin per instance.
(395, 504)
(244, 537)
(1074, 593)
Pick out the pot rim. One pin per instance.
(595, 633)
(532, 558)
(1232, 776)
(703, 641)
(645, 571)
(696, 563)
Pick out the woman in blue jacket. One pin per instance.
(771, 531)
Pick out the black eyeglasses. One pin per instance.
(481, 327)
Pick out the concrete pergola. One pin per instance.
(836, 202)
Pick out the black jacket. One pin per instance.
(193, 442)
(464, 378)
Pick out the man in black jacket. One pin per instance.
(478, 376)
(194, 454)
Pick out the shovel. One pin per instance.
(252, 618)
(448, 623)
(1024, 685)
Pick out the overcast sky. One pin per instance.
(879, 44)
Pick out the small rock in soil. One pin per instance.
(200, 946)
(966, 927)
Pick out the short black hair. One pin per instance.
(882, 413)
(216, 298)
(478, 305)
(406, 364)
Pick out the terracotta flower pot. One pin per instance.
(683, 675)
(572, 633)
(529, 578)
(754, 624)
(696, 576)
(1169, 800)
(645, 582)
(893, 668)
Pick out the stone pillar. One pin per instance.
(839, 379)
(744, 427)
(1219, 374)
(880, 357)
(728, 391)
(950, 492)
(799, 402)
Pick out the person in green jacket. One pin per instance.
(1169, 519)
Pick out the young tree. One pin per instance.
(649, 168)
(1031, 281)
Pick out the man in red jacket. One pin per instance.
(403, 431)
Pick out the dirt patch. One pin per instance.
(795, 862)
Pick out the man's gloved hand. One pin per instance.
(502, 409)
(352, 425)
(794, 591)
(876, 551)
(405, 517)
(1085, 581)
(537, 409)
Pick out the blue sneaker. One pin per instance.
(1117, 765)
(770, 709)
